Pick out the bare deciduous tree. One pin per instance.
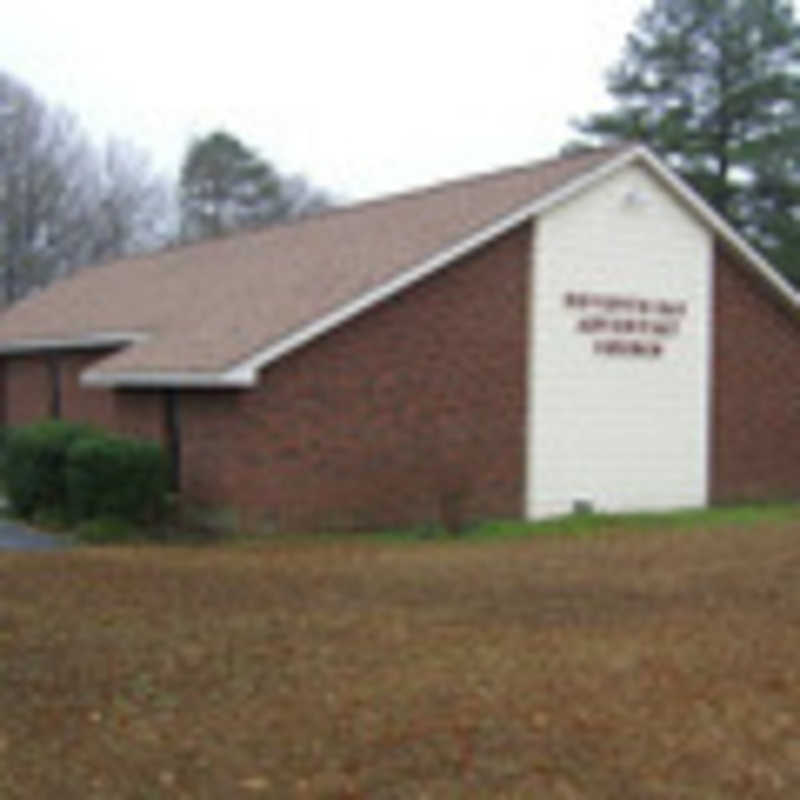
(62, 203)
(130, 204)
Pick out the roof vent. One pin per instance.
(634, 199)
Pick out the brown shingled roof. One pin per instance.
(208, 306)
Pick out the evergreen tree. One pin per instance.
(713, 86)
(226, 186)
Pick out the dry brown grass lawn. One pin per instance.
(662, 665)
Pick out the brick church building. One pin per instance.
(580, 332)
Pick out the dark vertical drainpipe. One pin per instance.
(3, 394)
(54, 369)
(172, 428)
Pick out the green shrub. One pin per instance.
(36, 458)
(50, 519)
(58, 470)
(105, 530)
(113, 476)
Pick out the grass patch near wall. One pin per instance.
(683, 519)
(111, 530)
(589, 524)
(615, 667)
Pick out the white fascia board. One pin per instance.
(720, 226)
(247, 370)
(180, 380)
(90, 341)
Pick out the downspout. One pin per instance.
(54, 368)
(172, 429)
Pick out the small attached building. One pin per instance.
(582, 332)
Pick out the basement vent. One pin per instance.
(582, 506)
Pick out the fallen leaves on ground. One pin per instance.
(654, 665)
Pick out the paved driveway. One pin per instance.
(17, 537)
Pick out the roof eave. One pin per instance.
(723, 229)
(175, 379)
(90, 341)
(250, 366)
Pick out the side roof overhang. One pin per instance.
(244, 373)
(88, 341)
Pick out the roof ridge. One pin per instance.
(449, 183)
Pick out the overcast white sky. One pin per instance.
(364, 98)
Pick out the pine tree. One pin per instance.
(226, 186)
(713, 86)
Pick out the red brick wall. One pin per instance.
(416, 402)
(756, 390)
(140, 414)
(77, 402)
(28, 393)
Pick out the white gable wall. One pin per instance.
(622, 266)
